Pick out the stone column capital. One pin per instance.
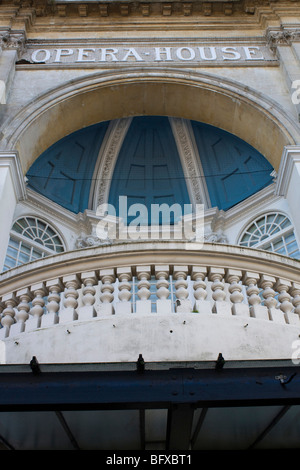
(282, 37)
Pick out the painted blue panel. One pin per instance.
(233, 169)
(64, 172)
(148, 169)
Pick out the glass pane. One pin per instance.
(252, 229)
(274, 229)
(14, 243)
(51, 232)
(12, 252)
(295, 255)
(20, 225)
(292, 247)
(245, 237)
(41, 225)
(23, 258)
(271, 217)
(30, 233)
(36, 254)
(17, 228)
(268, 227)
(31, 221)
(40, 233)
(50, 245)
(277, 244)
(25, 249)
(261, 222)
(285, 223)
(9, 263)
(290, 237)
(281, 251)
(291, 243)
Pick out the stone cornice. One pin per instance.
(142, 8)
(76, 15)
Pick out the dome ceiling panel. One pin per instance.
(148, 168)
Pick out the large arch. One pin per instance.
(223, 103)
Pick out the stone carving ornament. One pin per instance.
(282, 38)
(13, 40)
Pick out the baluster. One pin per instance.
(257, 310)
(88, 311)
(163, 303)
(24, 296)
(283, 286)
(183, 304)
(267, 283)
(216, 275)
(55, 287)
(233, 276)
(69, 312)
(107, 277)
(144, 304)
(37, 310)
(198, 275)
(8, 314)
(124, 306)
(295, 292)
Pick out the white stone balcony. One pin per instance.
(169, 301)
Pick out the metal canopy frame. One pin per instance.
(181, 388)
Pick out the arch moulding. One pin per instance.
(202, 97)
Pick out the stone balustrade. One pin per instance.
(104, 281)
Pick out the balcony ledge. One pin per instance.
(170, 301)
(142, 252)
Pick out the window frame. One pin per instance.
(30, 243)
(281, 234)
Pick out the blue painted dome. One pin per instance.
(233, 169)
(64, 172)
(148, 168)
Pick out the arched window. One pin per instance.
(272, 232)
(30, 239)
